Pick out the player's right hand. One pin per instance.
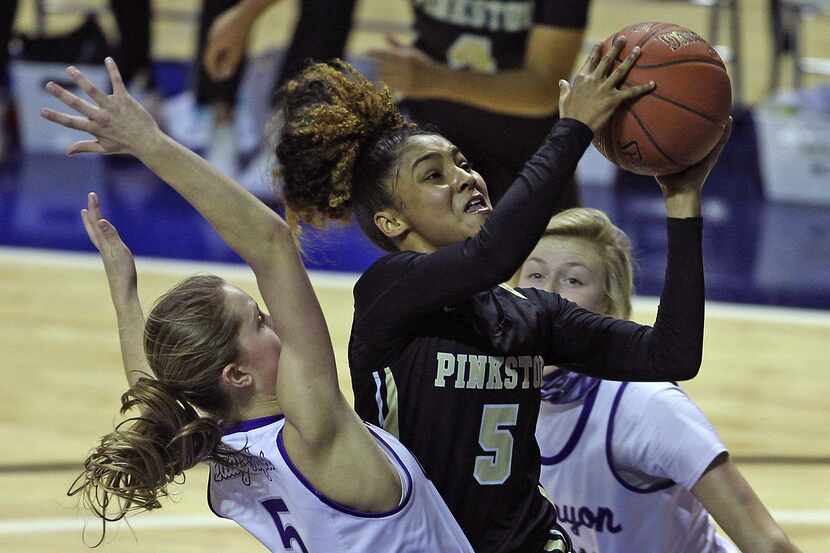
(593, 95)
(119, 123)
(226, 43)
(117, 257)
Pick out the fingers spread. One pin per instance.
(86, 85)
(69, 121)
(604, 64)
(115, 77)
(592, 60)
(618, 75)
(72, 101)
(636, 91)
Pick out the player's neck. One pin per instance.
(258, 408)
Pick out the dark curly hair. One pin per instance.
(340, 136)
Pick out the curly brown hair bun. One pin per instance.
(340, 135)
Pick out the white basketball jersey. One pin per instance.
(610, 508)
(269, 497)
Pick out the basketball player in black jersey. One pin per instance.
(476, 66)
(440, 354)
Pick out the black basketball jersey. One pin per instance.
(450, 362)
(488, 36)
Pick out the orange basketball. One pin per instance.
(677, 124)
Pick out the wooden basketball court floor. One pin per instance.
(764, 380)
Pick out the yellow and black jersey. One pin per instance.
(451, 362)
(488, 36)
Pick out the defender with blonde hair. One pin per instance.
(635, 466)
(254, 395)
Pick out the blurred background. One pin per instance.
(766, 246)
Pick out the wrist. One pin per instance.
(683, 204)
(153, 148)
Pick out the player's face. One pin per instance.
(440, 196)
(259, 344)
(569, 266)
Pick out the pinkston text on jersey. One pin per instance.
(487, 372)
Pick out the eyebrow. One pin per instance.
(537, 260)
(453, 151)
(424, 158)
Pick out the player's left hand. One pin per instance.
(117, 257)
(408, 71)
(119, 123)
(693, 178)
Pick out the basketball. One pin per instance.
(677, 124)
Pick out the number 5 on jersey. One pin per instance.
(288, 534)
(495, 438)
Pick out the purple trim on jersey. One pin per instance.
(209, 502)
(609, 455)
(248, 425)
(579, 428)
(339, 506)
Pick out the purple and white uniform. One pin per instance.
(620, 463)
(269, 497)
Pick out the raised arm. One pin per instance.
(123, 285)
(419, 283)
(624, 350)
(307, 376)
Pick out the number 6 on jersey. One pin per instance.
(493, 437)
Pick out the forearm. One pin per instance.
(130, 318)
(247, 225)
(737, 509)
(519, 92)
(624, 350)
(677, 337)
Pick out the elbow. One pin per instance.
(275, 238)
(688, 373)
(688, 369)
(692, 367)
(677, 365)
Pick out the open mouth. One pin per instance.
(477, 204)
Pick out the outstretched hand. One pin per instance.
(119, 123)
(117, 257)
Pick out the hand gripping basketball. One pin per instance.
(594, 94)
